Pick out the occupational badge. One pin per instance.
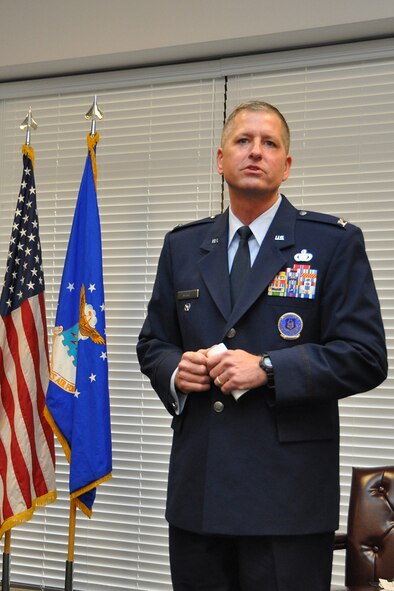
(290, 326)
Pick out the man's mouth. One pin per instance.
(253, 168)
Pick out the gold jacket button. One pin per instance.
(218, 406)
(231, 333)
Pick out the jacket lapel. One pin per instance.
(214, 264)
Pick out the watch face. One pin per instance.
(266, 363)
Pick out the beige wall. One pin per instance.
(51, 37)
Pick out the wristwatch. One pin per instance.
(266, 365)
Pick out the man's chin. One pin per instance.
(254, 192)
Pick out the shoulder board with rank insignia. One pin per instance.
(324, 218)
(208, 220)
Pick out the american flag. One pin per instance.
(27, 460)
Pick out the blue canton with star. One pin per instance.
(24, 276)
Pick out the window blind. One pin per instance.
(341, 119)
(155, 170)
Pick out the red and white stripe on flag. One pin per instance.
(26, 440)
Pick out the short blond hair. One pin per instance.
(256, 105)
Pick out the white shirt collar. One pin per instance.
(259, 226)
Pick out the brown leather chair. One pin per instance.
(369, 540)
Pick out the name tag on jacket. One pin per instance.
(189, 294)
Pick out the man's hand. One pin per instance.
(236, 370)
(192, 374)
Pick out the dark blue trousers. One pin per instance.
(250, 563)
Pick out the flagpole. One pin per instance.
(28, 123)
(94, 113)
(71, 544)
(5, 584)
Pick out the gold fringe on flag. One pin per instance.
(92, 143)
(26, 515)
(29, 152)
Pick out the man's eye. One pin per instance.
(243, 140)
(269, 143)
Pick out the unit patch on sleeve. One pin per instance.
(298, 281)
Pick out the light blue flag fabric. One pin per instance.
(77, 401)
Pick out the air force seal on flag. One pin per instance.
(64, 357)
(65, 345)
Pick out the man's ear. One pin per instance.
(219, 159)
(287, 168)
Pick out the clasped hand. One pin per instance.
(232, 369)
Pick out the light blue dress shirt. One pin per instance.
(259, 227)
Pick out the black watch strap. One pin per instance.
(266, 365)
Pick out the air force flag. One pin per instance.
(78, 398)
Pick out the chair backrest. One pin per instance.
(370, 542)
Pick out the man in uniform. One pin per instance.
(261, 318)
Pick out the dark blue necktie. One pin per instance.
(241, 264)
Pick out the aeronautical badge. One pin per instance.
(290, 326)
(303, 257)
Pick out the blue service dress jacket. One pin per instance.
(266, 464)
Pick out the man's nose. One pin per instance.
(256, 149)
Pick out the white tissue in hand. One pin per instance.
(219, 349)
